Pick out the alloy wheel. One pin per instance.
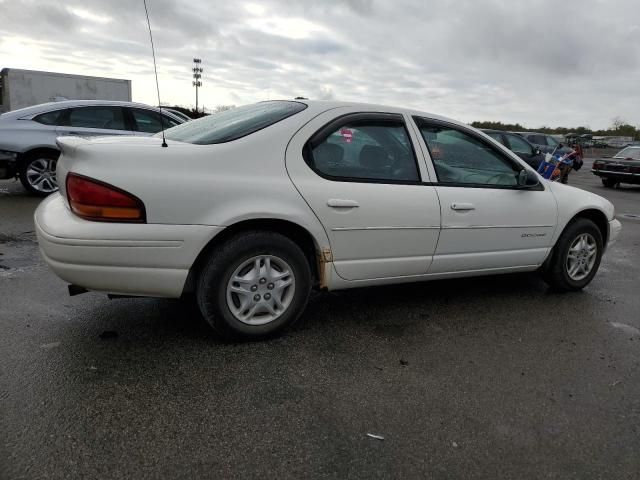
(581, 256)
(260, 290)
(41, 175)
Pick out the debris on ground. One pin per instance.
(404, 362)
(377, 437)
(49, 346)
(628, 329)
(455, 445)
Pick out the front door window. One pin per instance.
(460, 158)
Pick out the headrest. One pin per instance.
(373, 157)
(327, 153)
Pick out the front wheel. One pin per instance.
(254, 286)
(38, 173)
(576, 256)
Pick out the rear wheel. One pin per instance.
(609, 182)
(38, 173)
(254, 286)
(576, 256)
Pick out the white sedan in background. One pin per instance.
(251, 208)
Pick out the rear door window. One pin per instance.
(365, 150)
(100, 117)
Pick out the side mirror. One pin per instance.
(527, 178)
(535, 151)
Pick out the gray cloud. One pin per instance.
(540, 62)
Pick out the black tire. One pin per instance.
(556, 273)
(48, 157)
(211, 291)
(609, 182)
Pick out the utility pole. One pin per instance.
(197, 75)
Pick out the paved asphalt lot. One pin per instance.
(482, 378)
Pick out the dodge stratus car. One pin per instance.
(251, 208)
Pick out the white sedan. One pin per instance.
(251, 208)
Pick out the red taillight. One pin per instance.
(634, 169)
(94, 200)
(597, 166)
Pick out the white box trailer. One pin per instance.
(24, 88)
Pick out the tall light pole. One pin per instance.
(197, 75)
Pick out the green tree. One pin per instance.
(513, 127)
(619, 127)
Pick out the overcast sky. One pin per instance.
(537, 62)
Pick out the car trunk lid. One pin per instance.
(108, 158)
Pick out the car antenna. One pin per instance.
(155, 69)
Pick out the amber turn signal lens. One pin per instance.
(101, 202)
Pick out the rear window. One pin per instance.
(629, 152)
(496, 136)
(552, 142)
(233, 124)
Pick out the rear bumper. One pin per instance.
(126, 259)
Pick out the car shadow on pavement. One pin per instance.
(395, 310)
(419, 308)
(144, 340)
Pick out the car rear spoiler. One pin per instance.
(69, 144)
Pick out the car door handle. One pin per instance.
(339, 203)
(462, 206)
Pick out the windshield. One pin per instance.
(629, 152)
(233, 124)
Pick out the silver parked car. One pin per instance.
(28, 147)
